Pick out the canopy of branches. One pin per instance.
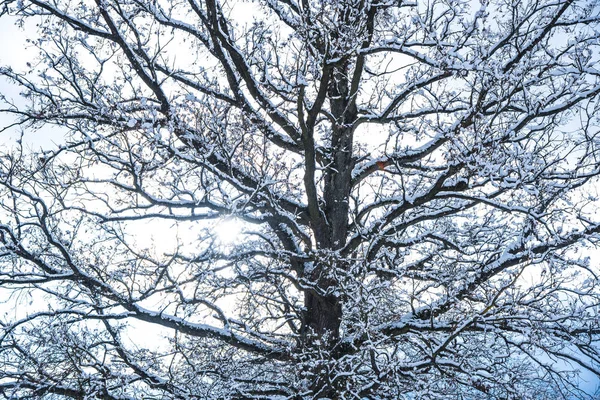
(415, 186)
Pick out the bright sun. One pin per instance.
(227, 231)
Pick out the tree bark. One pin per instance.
(323, 305)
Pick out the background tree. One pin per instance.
(416, 184)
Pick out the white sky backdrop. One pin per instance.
(14, 51)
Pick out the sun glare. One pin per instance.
(227, 231)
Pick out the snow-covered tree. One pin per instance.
(414, 182)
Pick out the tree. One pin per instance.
(416, 186)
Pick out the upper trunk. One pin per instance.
(338, 175)
(323, 307)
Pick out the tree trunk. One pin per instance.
(323, 305)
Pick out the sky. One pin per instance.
(15, 51)
(11, 45)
